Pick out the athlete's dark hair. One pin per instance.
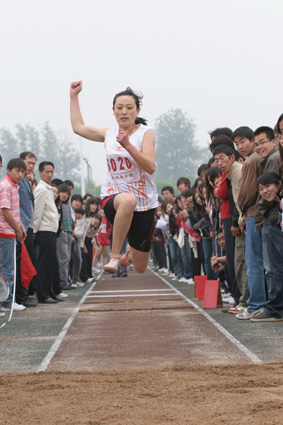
(184, 180)
(269, 177)
(170, 188)
(28, 154)
(224, 149)
(221, 140)
(138, 100)
(221, 131)
(267, 130)
(16, 163)
(243, 132)
(44, 164)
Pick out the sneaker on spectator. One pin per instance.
(78, 283)
(174, 278)
(95, 270)
(171, 275)
(2, 314)
(226, 295)
(62, 296)
(89, 280)
(261, 316)
(237, 309)
(17, 307)
(229, 300)
(246, 315)
(163, 270)
(190, 281)
(183, 280)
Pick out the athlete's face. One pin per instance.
(125, 111)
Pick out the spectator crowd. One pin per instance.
(227, 225)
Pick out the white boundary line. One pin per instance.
(132, 291)
(44, 364)
(238, 344)
(134, 295)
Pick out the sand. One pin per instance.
(235, 395)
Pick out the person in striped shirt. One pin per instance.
(11, 227)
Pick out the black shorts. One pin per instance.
(142, 227)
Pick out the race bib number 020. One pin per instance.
(120, 165)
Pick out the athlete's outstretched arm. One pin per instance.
(146, 158)
(79, 127)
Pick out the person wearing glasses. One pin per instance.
(265, 148)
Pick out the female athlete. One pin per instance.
(129, 195)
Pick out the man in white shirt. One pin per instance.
(45, 233)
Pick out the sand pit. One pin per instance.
(235, 395)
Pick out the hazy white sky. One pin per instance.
(219, 60)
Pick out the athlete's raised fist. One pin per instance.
(76, 88)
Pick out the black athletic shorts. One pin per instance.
(142, 228)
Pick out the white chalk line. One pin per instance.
(44, 364)
(230, 337)
(134, 295)
(132, 291)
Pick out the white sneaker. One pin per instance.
(90, 279)
(171, 275)
(183, 280)
(174, 278)
(190, 281)
(62, 296)
(229, 300)
(163, 270)
(2, 314)
(17, 307)
(95, 270)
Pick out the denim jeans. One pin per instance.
(208, 249)
(186, 257)
(272, 247)
(7, 265)
(173, 248)
(255, 267)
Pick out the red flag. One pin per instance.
(27, 268)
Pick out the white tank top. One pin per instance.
(124, 175)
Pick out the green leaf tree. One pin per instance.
(177, 151)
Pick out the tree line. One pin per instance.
(177, 151)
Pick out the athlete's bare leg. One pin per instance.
(124, 204)
(139, 260)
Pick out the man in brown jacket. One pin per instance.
(263, 158)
